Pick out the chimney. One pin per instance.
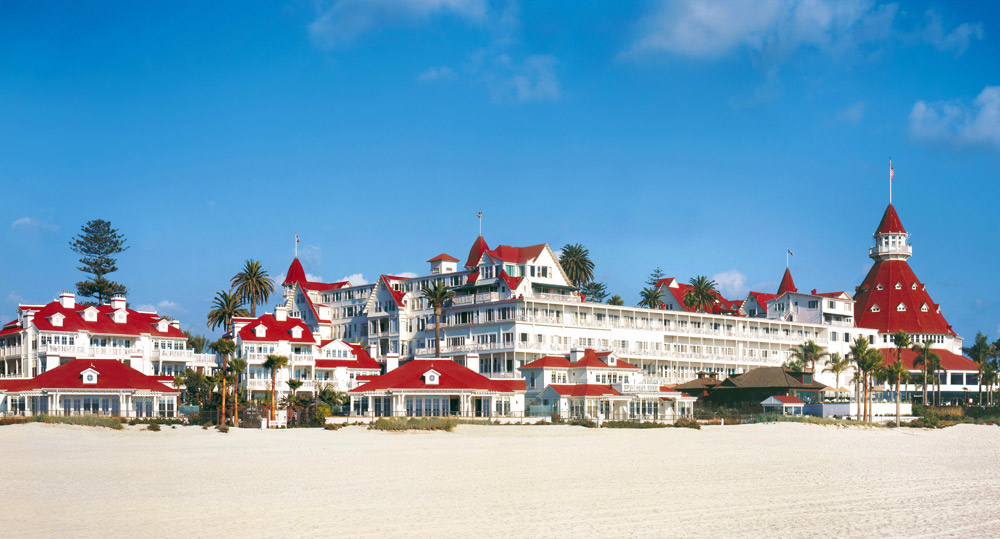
(67, 299)
(373, 350)
(281, 313)
(118, 302)
(813, 292)
(575, 354)
(391, 362)
(175, 324)
(472, 362)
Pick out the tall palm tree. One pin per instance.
(990, 375)
(871, 363)
(837, 366)
(859, 350)
(293, 385)
(575, 261)
(900, 340)
(237, 365)
(252, 285)
(225, 307)
(437, 294)
(273, 363)
(196, 342)
(980, 353)
(616, 300)
(651, 297)
(895, 372)
(224, 347)
(703, 293)
(329, 395)
(179, 382)
(808, 353)
(925, 356)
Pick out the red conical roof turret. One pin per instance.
(295, 273)
(890, 223)
(787, 284)
(478, 248)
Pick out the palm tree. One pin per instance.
(895, 372)
(273, 363)
(900, 340)
(807, 353)
(651, 297)
(837, 366)
(925, 356)
(870, 366)
(196, 342)
(616, 300)
(237, 365)
(859, 351)
(933, 366)
(225, 307)
(437, 294)
(252, 285)
(224, 347)
(293, 385)
(329, 395)
(793, 364)
(575, 261)
(990, 375)
(703, 293)
(179, 382)
(980, 353)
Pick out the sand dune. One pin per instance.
(738, 481)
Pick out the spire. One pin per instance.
(890, 238)
(478, 248)
(787, 284)
(890, 223)
(295, 273)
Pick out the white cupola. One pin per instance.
(890, 238)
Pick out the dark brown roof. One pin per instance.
(698, 383)
(768, 377)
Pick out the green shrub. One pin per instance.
(583, 423)
(83, 420)
(155, 427)
(683, 422)
(634, 425)
(556, 419)
(396, 424)
(333, 426)
(222, 428)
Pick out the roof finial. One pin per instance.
(480, 217)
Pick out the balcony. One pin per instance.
(636, 388)
(172, 355)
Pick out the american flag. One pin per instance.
(296, 238)
(892, 172)
(789, 251)
(479, 214)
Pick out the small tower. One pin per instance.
(890, 239)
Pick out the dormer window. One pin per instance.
(923, 308)
(57, 319)
(162, 325)
(90, 314)
(432, 378)
(901, 307)
(260, 331)
(120, 316)
(875, 308)
(879, 287)
(913, 286)
(296, 332)
(89, 376)
(899, 286)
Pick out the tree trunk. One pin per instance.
(897, 401)
(272, 394)
(437, 331)
(224, 363)
(236, 402)
(925, 385)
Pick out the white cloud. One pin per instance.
(341, 21)
(32, 223)
(356, 279)
(437, 73)
(406, 275)
(146, 307)
(957, 40)
(732, 284)
(957, 122)
(852, 114)
(311, 256)
(163, 307)
(511, 80)
(15, 298)
(314, 278)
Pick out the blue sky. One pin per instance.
(699, 137)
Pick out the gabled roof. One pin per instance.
(112, 374)
(787, 284)
(698, 384)
(397, 295)
(678, 289)
(512, 282)
(767, 377)
(452, 376)
(889, 318)
(786, 399)
(584, 390)
(476, 252)
(890, 223)
(590, 359)
(296, 275)
(136, 322)
(361, 359)
(443, 257)
(762, 298)
(950, 361)
(275, 330)
(518, 255)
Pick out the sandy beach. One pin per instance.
(738, 481)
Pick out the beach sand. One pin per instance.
(488, 481)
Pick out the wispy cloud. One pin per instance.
(512, 80)
(732, 283)
(314, 278)
(31, 223)
(356, 279)
(406, 275)
(957, 122)
(339, 22)
(14, 298)
(851, 114)
(163, 307)
(956, 40)
(437, 73)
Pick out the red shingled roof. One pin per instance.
(512, 282)
(888, 319)
(721, 306)
(476, 252)
(276, 331)
(762, 298)
(506, 253)
(445, 257)
(136, 323)
(950, 361)
(296, 275)
(452, 376)
(786, 399)
(890, 223)
(112, 374)
(787, 284)
(361, 359)
(590, 359)
(584, 390)
(397, 295)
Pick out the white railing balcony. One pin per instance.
(502, 375)
(173, 354)
(10, 352)
(298, 359)
(114, 351)
(59, 349)
(636, 388)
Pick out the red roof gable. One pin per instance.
(136, 322)
(512, 282)
(786, 399)
(889, 319)
(452, 376)
(476, 252)
(950, 361)
(112, 374)
(397, 295)
(590, 359)
(295, 273)
(890, 223)
(507, 253)
(361, 359)
(443, 257)
(584, 390)
(276, 331)
(549, 362)
(722, 304)
(787, 284)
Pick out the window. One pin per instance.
(901, 307)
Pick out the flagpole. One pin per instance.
(480, 222)
(890, 180)
(296, 246)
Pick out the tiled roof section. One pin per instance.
(766, 377)
(452, 376)
(590, 359)
(361, 359)
(912, 294)
(476, 252)
(950, 361)
(787, 399)
(890, 223)
(136, 322)
(787, 284)
(584, 390)
(397, 295)
(296, 275)
(443, 257)
(518, 255)
(512, 282)
(548, 362)
(112, 374)
(276, 331)
(473, 277)
(762, 298)
(10, 328)
(698, 384)
(721, 306)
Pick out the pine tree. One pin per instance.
(654, 276)
(98, 243)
